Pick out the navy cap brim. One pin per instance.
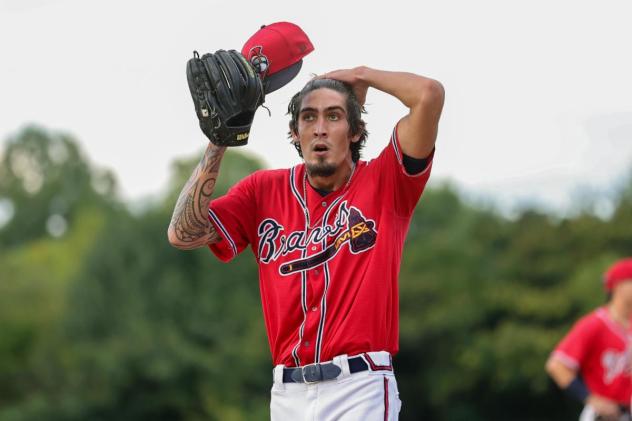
(281, 78)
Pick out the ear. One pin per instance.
(294, 135)
(357, 136)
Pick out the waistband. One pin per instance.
(339, 367)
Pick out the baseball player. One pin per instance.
(327, 235)
(592, 362)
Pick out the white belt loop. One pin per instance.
(277, 375)
(342, 362)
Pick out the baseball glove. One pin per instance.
(226, 93)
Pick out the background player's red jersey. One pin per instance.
(600, 349)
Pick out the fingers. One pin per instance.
(343, 75)
(328, 75)
(350, 77)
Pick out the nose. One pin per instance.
(320, 127)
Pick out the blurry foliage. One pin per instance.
(44, 175)
(101, 319)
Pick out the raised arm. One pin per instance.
(190, 227)
(424, 97)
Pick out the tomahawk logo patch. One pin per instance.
(259, 61)
(350, 228)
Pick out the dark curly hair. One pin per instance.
(357, 126)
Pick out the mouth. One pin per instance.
(320, 149)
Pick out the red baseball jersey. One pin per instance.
(328, 265)
(600, 350)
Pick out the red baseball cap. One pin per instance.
(276, 51)
(620, 271)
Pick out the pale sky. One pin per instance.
(538, 93)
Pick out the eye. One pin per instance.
(333, 117)
(308, 117)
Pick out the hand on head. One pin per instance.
(351, 76)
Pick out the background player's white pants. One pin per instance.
(366, 395)
(588, 414)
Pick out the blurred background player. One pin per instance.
(592, 362)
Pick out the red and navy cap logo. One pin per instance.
(259, 60)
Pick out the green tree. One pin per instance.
(53, 204)
(45, 179)
(101, 319)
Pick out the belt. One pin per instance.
(314, 373)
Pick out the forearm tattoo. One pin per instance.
(190, 222)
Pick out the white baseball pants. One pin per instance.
(370, 395)
(589, 414)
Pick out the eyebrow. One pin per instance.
(332, 108)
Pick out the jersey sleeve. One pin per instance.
(396, 183)
(573, 349)
(233, 216)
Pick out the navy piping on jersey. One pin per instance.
(224, 231)
(395, 146)
(323, 314)
(301, 330)
(297, 195)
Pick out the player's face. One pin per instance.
(323, 132)
(624, 290)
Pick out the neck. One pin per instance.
(620, 312)
(335, 181)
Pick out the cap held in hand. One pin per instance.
(276, 51)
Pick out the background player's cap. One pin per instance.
(620, 271)
(276, 51)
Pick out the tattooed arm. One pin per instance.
(190, 227)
